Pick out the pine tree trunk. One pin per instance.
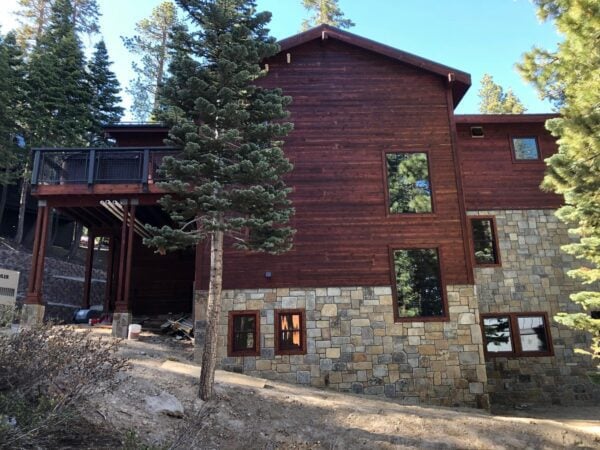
(3, 202)
(22, 209)
(209, 354)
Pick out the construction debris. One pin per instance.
(182, 326)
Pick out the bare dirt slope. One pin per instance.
(252, 413)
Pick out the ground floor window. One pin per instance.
(517, 334)
(418, 287)
(290, 332)
(244, 333)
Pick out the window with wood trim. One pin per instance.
(408, 185)
(485, 241)
(290, 332)
(418, 286)
(525, 149)
(244, 333)
(516, 334)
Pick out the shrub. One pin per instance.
(45, 373)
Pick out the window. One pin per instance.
(517, 334)
(477, 132)
(525, 149)
(290, 332)
(244, 333)
(418, 288)
(485, 243)
(409, 189)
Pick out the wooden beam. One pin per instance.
(36, 248)
(109, 273)
(119, 306)
(131, 226)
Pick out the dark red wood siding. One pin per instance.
(491, 179)
(350, 107)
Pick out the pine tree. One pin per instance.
(325, 12)
(151, 45)
(569, 77)
(34, 17)
(105, 87)
(493, 99)
(228, 178)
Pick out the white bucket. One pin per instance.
(134, 331)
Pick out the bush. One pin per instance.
(45, 373)
(7, 315)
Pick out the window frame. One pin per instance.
(495, 242)
(397, 319)
(513, 153)
(386, 190)
(230, 333)
(302, 349)
(515, 335)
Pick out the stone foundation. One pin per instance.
(533, 278)
(354, 345)
(120, 325)
(32, 315)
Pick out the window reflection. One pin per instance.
(532, 334)
(497, 334)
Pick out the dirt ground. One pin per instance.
(251, 413)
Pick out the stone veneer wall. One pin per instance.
(354, 345)
(533, 277)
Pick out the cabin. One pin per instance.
(426, 264)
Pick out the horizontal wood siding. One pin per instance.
(491, 179)
(351, 106)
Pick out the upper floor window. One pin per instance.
(418, 287)
(244, 333)
(485, 244)
(525, 148)
(409, 189)
(517, 334)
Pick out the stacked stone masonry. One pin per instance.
(354, 345)
(533, 278)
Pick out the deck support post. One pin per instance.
(89, 265)
(109, 274)
(33, 307)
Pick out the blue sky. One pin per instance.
(475, 36)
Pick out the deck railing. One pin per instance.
(114, 165)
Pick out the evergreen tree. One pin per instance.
(227, 180)
(105, 87)
(151, 44)
(327, 12)
(34, 17)
(493, 99)
(570, 77)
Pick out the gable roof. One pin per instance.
(460, 81)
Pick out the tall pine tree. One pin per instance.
(325, 11)
(569, 76)
(493, 99)
(151, 44)
(228, 179)
(105, 88)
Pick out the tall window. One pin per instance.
(244, 333)
(409, 189)
(290, 332)
(418, 287)
(485, 246)
(517, 334)
(525, 148)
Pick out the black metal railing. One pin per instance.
(115, 165)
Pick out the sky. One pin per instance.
(475, 36)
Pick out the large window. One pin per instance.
(244, 333)
(517, 334)
(409, 189)
(418, 288)
(485, 244)
(525, 149)
(290, 332)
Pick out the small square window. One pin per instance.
(244, 333)
(409, 189)
(418, 288)
(485, 244)
(517, 334)
(477, 132)
(290, 332)
(525, 148)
